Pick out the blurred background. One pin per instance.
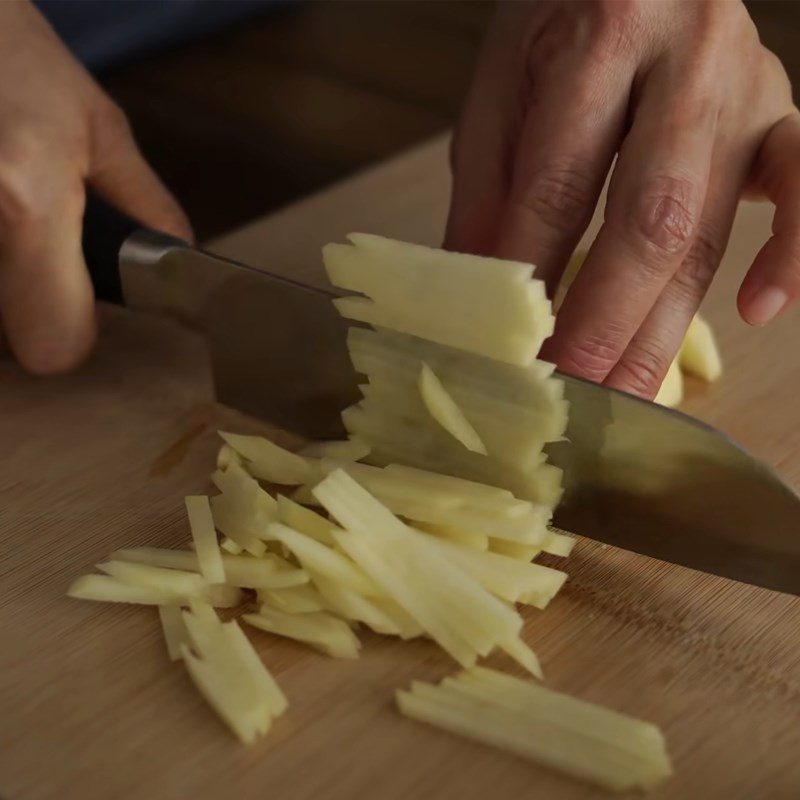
(296, 95)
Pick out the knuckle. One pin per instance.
(642, 369)
(559, 193)
(592, 357)
(662, 217)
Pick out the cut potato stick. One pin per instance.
(230, 675)
(110, 590)
(302, 495)
(268, 462)
(476, 541)
(445, 601)
(523, 655)
(393, 440)
(558, 543)
(357, 608)
(229, 546)
(318, 629)
(240, 524)
(531, 395)
(262, 678)
(173, 581)
(317, 558)
(443, 508)
(577, 738)
(305, 520)
(220, 693)
(175, 634)
(446, 412)
(105, 588)
(294, 599)
(204, 536)
(401, 584)
(353, 449)
(505, 577)
(605, 729)
(522, 552)
(245, 572)
(377, 480)
(244, 491)
(226, 456)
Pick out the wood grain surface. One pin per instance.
(91, 708)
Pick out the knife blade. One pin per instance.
(637, 475)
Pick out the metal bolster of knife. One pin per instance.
(155, 279)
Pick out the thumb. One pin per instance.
(120, 174)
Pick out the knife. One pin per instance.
(637, 475)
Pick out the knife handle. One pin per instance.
(105, 230)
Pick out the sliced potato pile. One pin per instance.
(435, 537)
(316, 577)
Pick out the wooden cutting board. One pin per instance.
(91, 708)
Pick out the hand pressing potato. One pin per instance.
(696, 112)
(58, 134)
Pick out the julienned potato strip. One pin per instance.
(435, 537)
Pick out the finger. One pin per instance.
(121, 175)
(46, 299)
(654, 203)
(645, 362)
(772, 283)
(565, 151)
(482, 143)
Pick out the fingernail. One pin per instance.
(766, 305)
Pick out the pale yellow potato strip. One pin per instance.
(577, 738)
(265, 460)
(204, 535)
(174, 581)
(173, 629)
(353, 449)
(305, 520)
(318, 629)
(318, 558)
(246, 572)
(444, 410)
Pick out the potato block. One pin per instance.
(699, 354)
(671, 392)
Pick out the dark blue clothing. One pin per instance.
(107, 33)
